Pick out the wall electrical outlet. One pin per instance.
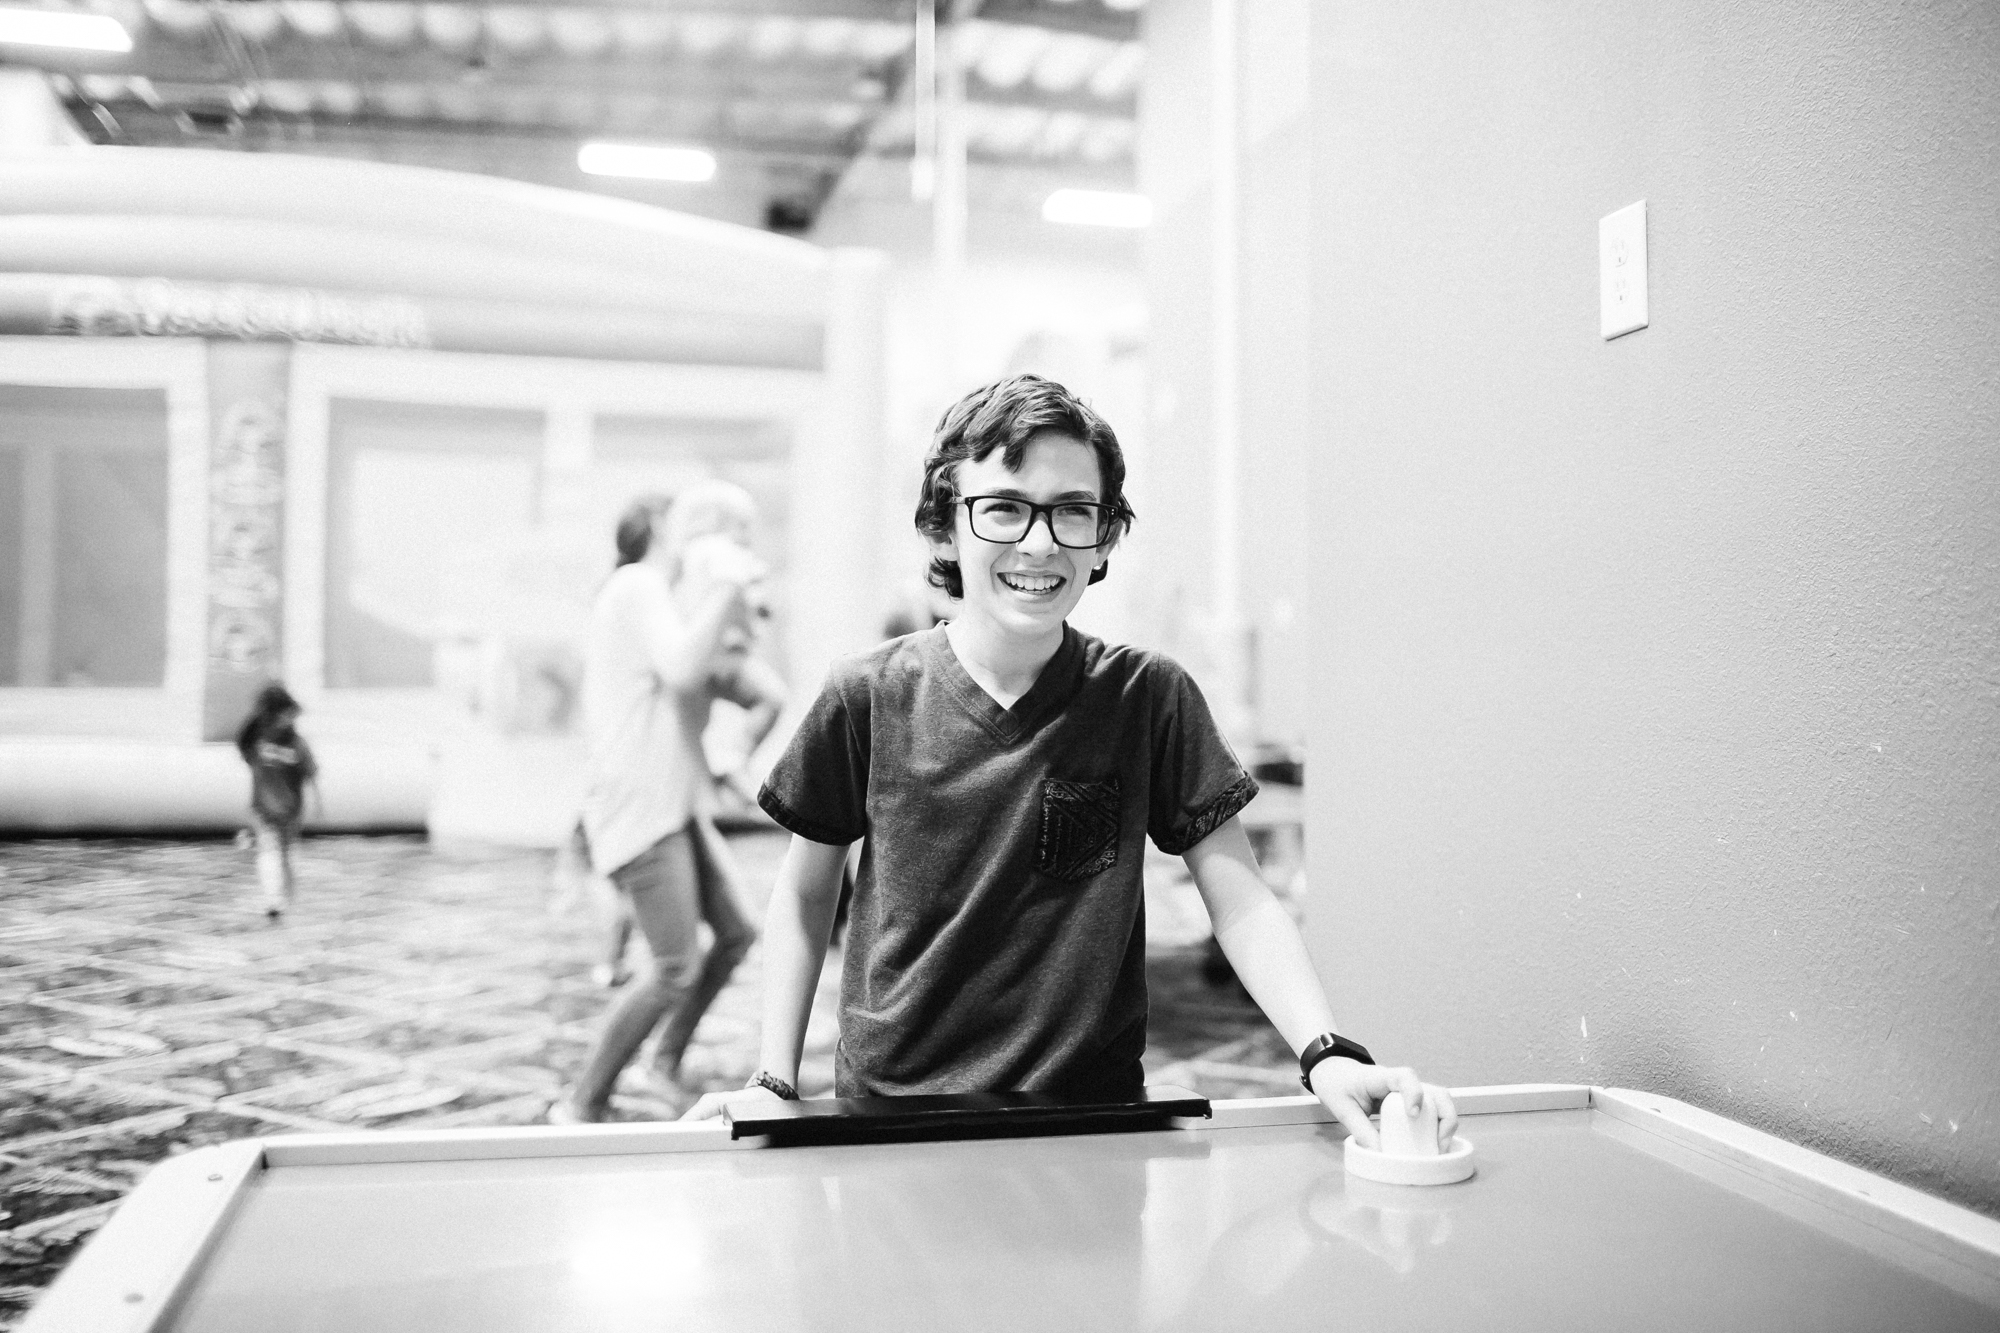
(1621, 270)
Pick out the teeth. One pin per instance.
(1031, 582)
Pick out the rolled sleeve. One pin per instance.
(1198, 784)
(819, 787)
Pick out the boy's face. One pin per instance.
(1026, 587)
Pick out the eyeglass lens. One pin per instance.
(998, 518)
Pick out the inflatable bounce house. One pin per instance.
(367, 429)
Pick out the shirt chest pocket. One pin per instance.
(1079, 829)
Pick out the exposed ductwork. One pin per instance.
(787, 92)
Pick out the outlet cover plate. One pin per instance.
(1621, 270)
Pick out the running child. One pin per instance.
(281, 768)
(1003, 772)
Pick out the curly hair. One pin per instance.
(1005, 415)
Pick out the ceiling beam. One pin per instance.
(146, 126)
(297, 62)
(873, 87)
(1090, 17)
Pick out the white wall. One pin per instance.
(1656, 741)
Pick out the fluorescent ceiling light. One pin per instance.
(54, 27)
(646, 161)
(1098, 208)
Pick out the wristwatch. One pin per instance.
(772, 1083)
(1325, 1047)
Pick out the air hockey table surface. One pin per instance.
(1591, 1207)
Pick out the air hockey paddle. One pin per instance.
(1411, 1153)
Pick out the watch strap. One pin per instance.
(1325, 1047)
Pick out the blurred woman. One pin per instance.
(669, 635)
(576, 878)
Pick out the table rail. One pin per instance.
(1258, 1112)
(1923, 1224)
(129, 1278)
(132, 1275)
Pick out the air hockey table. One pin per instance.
(1591, 1207)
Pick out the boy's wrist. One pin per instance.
(781, 1087)
(788, 1070)
(1325, 1047)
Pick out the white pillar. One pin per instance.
(1225, 118)
(923, 107)
(836, 586)
(948, 205)
(568, 449)
(34, 647)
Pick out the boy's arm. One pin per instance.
(1262, 944)
(796, 928)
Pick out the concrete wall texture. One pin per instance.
(1657, 728)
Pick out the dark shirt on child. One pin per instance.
(997, 937)
(280, 765)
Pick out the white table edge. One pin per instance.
(129, 1276)
(1969, 1238)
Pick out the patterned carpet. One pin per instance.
(146, 1007)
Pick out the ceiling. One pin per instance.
(788, 94)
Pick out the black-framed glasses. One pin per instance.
(1077, 524)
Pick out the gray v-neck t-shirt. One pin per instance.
(997, 937)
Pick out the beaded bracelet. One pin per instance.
(772, 1083)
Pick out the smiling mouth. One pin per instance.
(1037, 584)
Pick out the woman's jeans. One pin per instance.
(680, 881)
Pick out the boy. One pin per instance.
(1005, 770)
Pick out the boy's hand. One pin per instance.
(1351, 1090)
(711, 1103)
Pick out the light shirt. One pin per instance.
(647, 775)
